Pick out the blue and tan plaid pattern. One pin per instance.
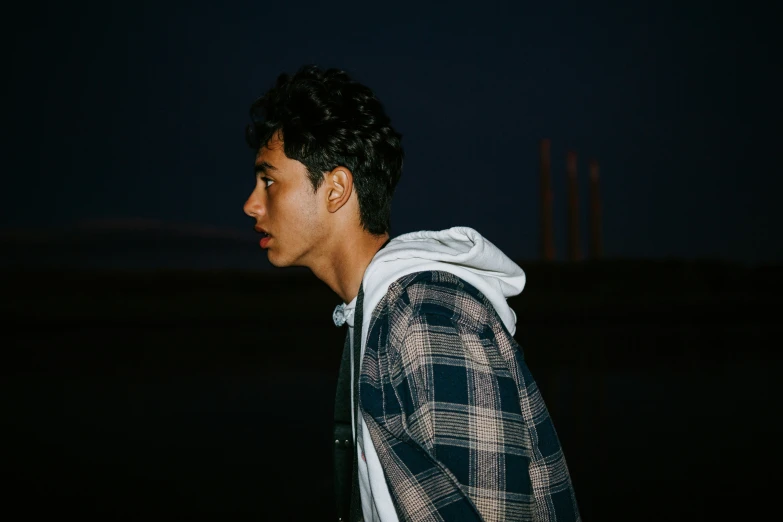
(456, 418)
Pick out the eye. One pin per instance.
(267, 181)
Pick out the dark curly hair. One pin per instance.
(328, 120)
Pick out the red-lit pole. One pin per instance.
(596, 240)
(547, 232)
(574, 252)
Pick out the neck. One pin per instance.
(344, 268)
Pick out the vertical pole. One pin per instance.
(596, 240)
(574, 253)
(547, 233)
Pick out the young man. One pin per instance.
(436, 414)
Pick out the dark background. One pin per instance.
(149, 369)
(173, 394)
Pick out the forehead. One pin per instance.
(273, 162)
(273, 150)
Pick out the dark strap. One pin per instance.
(346, 469)
(356, 501)
(344, 455)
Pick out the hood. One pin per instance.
(459, 250)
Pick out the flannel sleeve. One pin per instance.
(469, 437)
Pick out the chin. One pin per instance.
(278, 261)
(275, 261)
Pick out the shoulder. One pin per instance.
(422, 295)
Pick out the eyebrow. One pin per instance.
(264, 167)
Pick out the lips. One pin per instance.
(266, 237)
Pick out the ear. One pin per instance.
(339, 187)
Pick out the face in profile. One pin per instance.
(285, 208)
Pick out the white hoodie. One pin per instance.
(460, 251)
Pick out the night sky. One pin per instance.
(135, 113)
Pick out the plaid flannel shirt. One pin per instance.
(457, 420)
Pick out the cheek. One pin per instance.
(289, 211)
(295, 212)
(307, 217)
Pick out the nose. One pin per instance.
(254, 206)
